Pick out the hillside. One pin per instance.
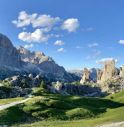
(64, 111)
(118, 97)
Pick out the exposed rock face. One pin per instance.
(109, 70)
(99, 75)
(32, 57)
(93, 74)
(70, 89)
(86, 76)
(122, 71)
(45, 64)
(106, 76)
(8, 54)
(25, 81)
(21, 60)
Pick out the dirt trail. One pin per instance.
(5, 106)
(116, 124)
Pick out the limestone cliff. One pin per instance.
(86, 76)
(8, 54)
(108, 71)
(122, 71)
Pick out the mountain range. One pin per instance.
(14, 61)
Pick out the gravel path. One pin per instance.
(116, 124)
(5, 106)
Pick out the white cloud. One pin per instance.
(45, 21)
(27, 46)
(56, 35)
(59, 43)
(103, 60)
(121, 41)
(25, 19)
(93, 45)
(61, 50)
(36, 36)
(43, 26)
(71, 25)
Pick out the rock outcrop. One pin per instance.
(32, 57)
(122, 71)
(108, 71)
(86, 76)
(69, 89)
(93, 74)
(99, 75)
(44, 64)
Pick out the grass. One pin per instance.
(113, 115)
(10, 100)
(53, 110)
(118, 97)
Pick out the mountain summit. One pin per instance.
(30, 62)
(8, 54)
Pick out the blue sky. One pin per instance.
(75, 33)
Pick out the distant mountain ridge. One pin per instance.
(21, 60)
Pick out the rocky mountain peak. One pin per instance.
(5, 42)
(39, 54)
(86, 76)
(108, 70)
(20, 61)
(8, 53)
(33, 57)
(22, 50)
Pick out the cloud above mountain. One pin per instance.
(59, 43)
(28, 46)
(61, 50)
(103, 60)
(35, 20)
(42, 26)
(36, 36)
(121, 42)
(71, 25)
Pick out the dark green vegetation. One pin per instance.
(46, 106)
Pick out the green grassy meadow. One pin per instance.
(53, 110)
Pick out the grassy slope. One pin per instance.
(62, 111)
(9, 100)
(118, 97)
